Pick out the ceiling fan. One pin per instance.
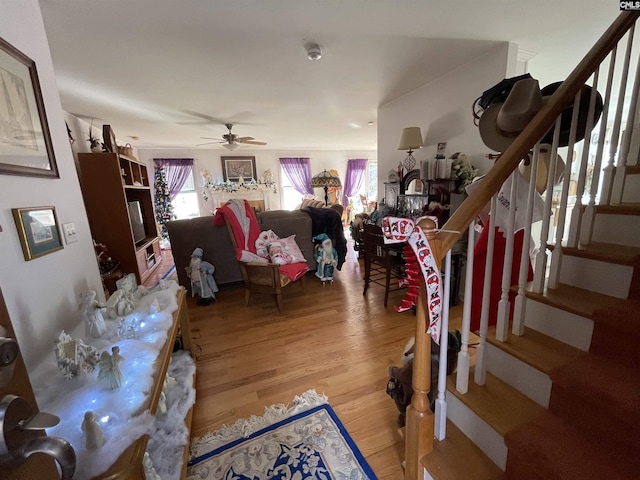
(231, 141)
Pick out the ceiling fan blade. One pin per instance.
(252, 142)
(212, 138)
(243, 139)
(208, 143)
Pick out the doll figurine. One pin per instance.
(326, 256)
(94, 324)
(92, 431)
(110, 368)
(201, 275)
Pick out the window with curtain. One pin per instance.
(354, 179)
(295, 181)
(181, 184)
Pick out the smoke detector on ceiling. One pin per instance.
(313, 51)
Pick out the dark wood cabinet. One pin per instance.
(117, 196)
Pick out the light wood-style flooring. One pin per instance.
(330, 338)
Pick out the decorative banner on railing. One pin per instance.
(397, 230)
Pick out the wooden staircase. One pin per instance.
(579, 414)
(562, 401)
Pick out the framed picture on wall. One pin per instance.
(236, 168)
(38, 230)
(25, 141)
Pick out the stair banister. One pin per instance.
(464, 361)
(440, 429)
(419, 418)
(420, 422)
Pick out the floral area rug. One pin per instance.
(304, 442)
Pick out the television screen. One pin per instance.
(137, 221)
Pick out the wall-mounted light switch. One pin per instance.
(70, 234)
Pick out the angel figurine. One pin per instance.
(110, 368)
(92, 309)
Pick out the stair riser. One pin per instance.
(519, 468)
(477, 430)
(564, 326)
(631, 192)
(617, 229)
(523, 377)
(589, 274)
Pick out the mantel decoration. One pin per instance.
(25, 141)
(232, 187)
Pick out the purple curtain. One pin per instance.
(298, 171)
(354, 178)
(176, 170)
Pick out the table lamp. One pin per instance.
(325, 180)
(410, 140)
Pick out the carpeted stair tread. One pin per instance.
(458, 457)
(536, 349)
(617, 333)
(500, 405)
(548, 448)
(572, 299)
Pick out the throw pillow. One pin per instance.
(247, 256)
(263, 241)
(291, 249)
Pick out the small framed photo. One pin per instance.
(235, 168)
(38, 230)
(25, 141)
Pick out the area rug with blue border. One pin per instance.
(304, 442)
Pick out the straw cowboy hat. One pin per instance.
(501, 123)
(544, 160)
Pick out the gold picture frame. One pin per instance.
(25, 141)
(38, 230)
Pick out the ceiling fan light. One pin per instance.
(314, 52)
(230, 146)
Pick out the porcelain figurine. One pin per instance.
(110, 373)
(201, 275)
(326, 256)
(74, 357)
(93, 433)
(92, 310)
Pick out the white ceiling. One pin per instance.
(147, 67)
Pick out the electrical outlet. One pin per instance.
(70, 234)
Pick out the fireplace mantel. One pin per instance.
(218, 194)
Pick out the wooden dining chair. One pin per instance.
(383, 263)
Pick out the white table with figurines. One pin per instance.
(115, 385)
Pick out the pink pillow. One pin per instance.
(285, 250)
(263, 241)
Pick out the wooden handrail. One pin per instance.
(534, 131)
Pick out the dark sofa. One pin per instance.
(186, 235)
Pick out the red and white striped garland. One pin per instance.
(397, 230)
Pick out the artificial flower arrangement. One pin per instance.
(462, 170)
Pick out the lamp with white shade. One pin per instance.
(410, 140)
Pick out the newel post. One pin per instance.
(419, 417)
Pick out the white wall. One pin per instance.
(211, 160)
(442, 109)
(42, 295)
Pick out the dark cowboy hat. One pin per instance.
(565, 122)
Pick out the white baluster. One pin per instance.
(556, 255)
(576, 212)
(540, 270)
(462, 374)
(480, 374)
(623, 158)
(589, 215)
(610, 168)
(519, 308)
(440, 422)
(502, 323)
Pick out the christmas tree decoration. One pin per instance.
(162, 201)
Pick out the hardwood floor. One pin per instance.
(330, 338)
